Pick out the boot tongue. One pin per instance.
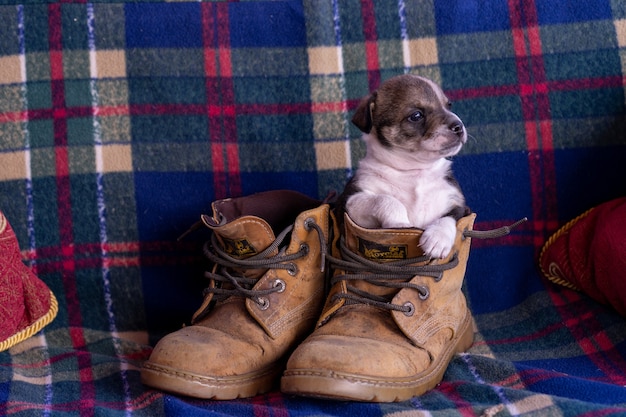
(382, 245)
(241, 236)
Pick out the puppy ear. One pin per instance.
(362, 117)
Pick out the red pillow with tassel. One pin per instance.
(26, 302)
(588, 254)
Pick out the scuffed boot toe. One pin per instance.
(380, 368)
(198, 362)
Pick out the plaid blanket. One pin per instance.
(120, 122)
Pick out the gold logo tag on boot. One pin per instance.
(239, 248)
(378, 252)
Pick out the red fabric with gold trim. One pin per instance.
(24, 298)
(589, 254)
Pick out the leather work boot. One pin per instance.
(392, 321)
(265, 294)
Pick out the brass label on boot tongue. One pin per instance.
(378, 252)
(239, 248)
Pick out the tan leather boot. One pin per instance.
(264, 296)
(392, 322)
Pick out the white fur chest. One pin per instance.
(425, 194)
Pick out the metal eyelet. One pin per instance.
(280, 284)
(263, 303)
(438, 277)
(424, 293)
(292, 269)
(304, 248)
(410, 309)
(308, 222)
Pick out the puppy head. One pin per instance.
(411, 113)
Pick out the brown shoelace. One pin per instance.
(396, 274)
(229, 278)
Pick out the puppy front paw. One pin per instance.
(437, 240)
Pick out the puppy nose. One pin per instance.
(457, 128)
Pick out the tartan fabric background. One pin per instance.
(120, 122)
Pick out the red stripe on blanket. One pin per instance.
(371, 46)
(590, 334)
(452, 393)
(526, 90)
(292, 108)
(534, 376)
(61, 155)
(512, 381)
(220, 93)
(269, 405)
(64, 206)
(140, 402)
(121, 248)
(534, 90)
(123, 254)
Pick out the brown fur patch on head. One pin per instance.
(399, 96)
(362, 117)
(406, 110)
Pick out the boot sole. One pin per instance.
(324, 383)
(210, 388)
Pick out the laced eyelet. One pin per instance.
(410, 309)
(308, 222)
(280, 284)
(438, 277)
(424, 293)
(292, 269)
(263, 303)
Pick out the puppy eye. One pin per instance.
(416, 117)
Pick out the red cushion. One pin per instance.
(26, 303)
(589, 254)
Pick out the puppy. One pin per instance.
(405, 178)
